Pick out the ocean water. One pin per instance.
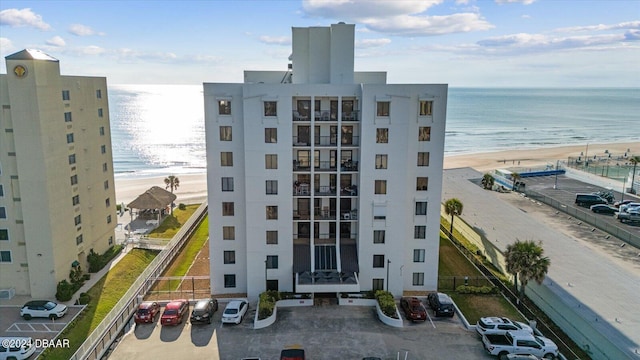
(158, 130)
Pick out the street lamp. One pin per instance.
(555, 186)
(387, 281)
(265, 274)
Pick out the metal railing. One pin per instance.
(99, 341)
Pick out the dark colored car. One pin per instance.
(413, 309)
(603, 209)
(292, 354)
(441, 304)
(203, 311)
(147, 312)
(174, 312)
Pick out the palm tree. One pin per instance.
(515, 177)
(488, 181)
(172, 182)
(525, 260)
(452, 207)
(634, 160)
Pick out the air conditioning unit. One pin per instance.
(7, 293)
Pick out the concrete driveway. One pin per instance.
(325, 332)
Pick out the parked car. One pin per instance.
(622, 202)
(498, 325)
(603, 209)
(519, 342)
(174, 312)
(292, 354)
(521, 357)
(631, 216)
(587, 200)
(234, 311)
(16, 348)
(413, 309)
(43, 309)
(147, 312)
(203, 310)
(632, 206)
(441, 304)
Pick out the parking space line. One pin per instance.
(430, 320)
(27, 327)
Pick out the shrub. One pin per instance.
(182, 206)
(97, 261)
(64, 291)
(466, 289)
(84, 298)
(387, 303)
(267, 303)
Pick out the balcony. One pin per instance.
(326, 140)
(301, 215)
(351, 190)
(301, 141)
(350, 140)
(298, 116)
(325, 115)
(325, 166)
(325, 214)
(353, 115)
(299, 165)
(349, 165)
(325, 191)
(301, 189)
(349, 215)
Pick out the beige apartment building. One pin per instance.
(57, 196)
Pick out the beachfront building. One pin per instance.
(322, 179)
(57, 198)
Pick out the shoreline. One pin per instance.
(193, 185)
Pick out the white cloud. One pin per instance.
(525, 16)
(82, 30)
(403, 18)
(602, 27)
(524, 2)
(272, 40)
(56, 41)
(371, 43)
(91, 50)
(22, 18)
(6, 46)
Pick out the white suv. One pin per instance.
(43, 309)
(18, 348)
(500, 326)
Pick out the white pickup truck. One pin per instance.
(519, 342)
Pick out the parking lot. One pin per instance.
(12, 325)
(325, 332)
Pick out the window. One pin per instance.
(272, 261)
(382, 135)
(72, 159)
(229, 257)
(272, 212)
(67, 117)
(75, 200)
(5, 256)
(421, 208)
(99, 94)
(110, 240)
(378, 236)
(271, 161)
(228, 233)
(422, 183)
(379, 211)
(378, 261)
(383, 108)
(272, 237)
(74, 180)
(424, 133)
(227, 184)
(4, 234)
(224, 107)
(104, 167)
(270, 135)
(79, 239)
(100, 113)
(225, 133)
(425, 107)
(65, 95)
(103, 149)
(381, 161)
(418, 255)
(108, 219)
(227, 209)
(77, 220)
(70, 138)
(418, 279)
(229, 280)
(107, 202)
(2, 190)
(106, 184)
(378, 284)
(380, 187)
(3, 212)
(270, 108)
(423, 159)
(272, 187)
(226, 158)
(101, 130)
(419, 232)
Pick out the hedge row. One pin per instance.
(465, 289)
(387, 303)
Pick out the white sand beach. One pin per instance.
(193, 187)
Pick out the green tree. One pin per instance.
(172, 182)
(634, 160)
(525, 260)
(452, 207)
(488, 181)
(515, 177)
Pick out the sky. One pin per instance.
(463, 43)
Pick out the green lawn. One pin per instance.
(104, 295)
(172, 223)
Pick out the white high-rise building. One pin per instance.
(322, 179)
(57, 197)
